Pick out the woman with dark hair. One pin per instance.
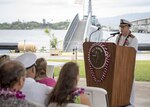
(12, 76)
(41, 76)
(65, 90)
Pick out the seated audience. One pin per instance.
(4, 58)
(12, 76)
(35, 92)
(41, 77)
(65, 90)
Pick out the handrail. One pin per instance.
(144, 47)
(88, 24)
(71, 29)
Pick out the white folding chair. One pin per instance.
(97, 96)
(68, 105)
(76, 105)
(51, 66)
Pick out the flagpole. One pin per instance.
(83, 7)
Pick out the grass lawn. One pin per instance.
(80, 63)
(142, 70)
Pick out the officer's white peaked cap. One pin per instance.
(27, 59)
(125, 22)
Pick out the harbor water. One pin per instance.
(41, 39)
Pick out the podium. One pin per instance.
(111, 67)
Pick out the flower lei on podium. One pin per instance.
(105, 65)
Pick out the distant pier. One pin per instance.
(141, 26)
(9, 46)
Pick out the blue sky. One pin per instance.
(58, 10)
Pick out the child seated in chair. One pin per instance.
(41, 76)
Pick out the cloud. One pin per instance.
(66, 9)
(37, 2)
(109, 8)
(47, 2)
(121, 3)
(6, 2)
(37, 10)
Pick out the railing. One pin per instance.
(87, 28)
(144, 47)
(70, 32)
(8, 46)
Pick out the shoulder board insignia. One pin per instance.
(132, 36)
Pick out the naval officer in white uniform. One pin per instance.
(35, 92)
(126, 38)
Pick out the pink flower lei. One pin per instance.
(126, 42)
(7, 93)
(77, 91)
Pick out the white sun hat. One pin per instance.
(27, 59)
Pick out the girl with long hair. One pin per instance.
(66, 90)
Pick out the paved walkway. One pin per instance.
(142, 91)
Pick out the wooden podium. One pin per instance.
(110, 67)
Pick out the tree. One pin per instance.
(47, 31)
(53, 39)
(42, 49)
(53, 42)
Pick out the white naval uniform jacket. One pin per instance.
(133, 42)
(36, 92)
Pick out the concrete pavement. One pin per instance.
(142, 92)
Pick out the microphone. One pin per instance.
(94, 32)
(113, 34)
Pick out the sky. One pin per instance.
(60, 10)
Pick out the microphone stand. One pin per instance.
(93, 32)
(109, 38)
(113, 35)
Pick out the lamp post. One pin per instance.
(75, 52)
(24, 46)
